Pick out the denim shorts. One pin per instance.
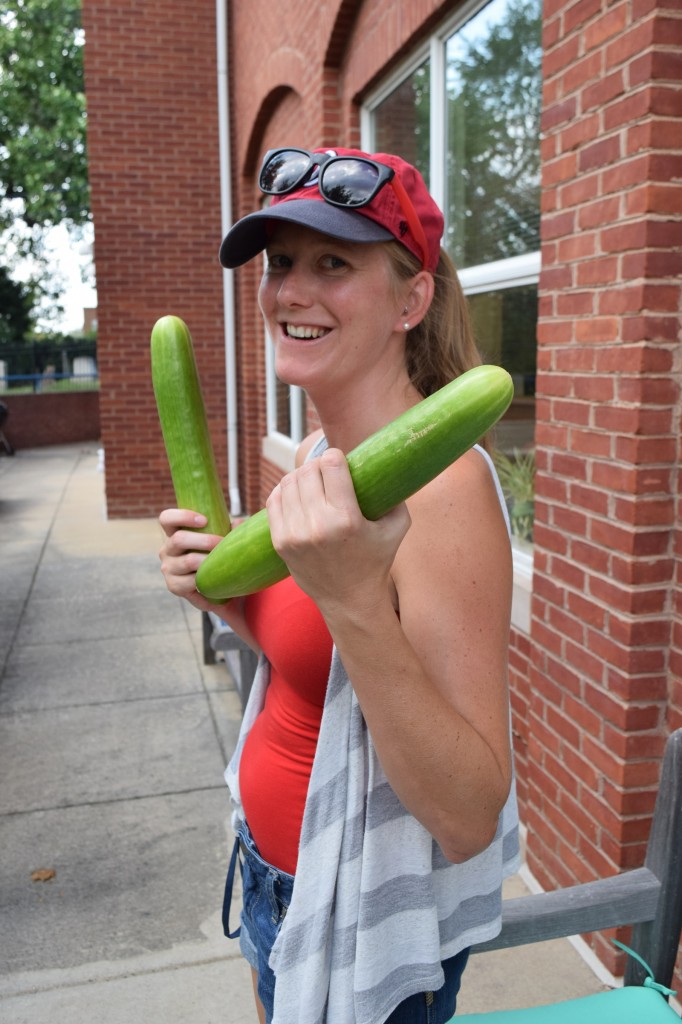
(266, 895)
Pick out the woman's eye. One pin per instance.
(333, 262)
(278, 261)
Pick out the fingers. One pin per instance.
(173, 519)
(324, 481)
(336, 480)
(314, 503)
(183, 549)
(318, 529)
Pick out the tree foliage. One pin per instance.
(494, 105)
(16, 304)
(43, 160)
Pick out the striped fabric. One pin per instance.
(375, 907)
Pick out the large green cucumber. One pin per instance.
(386, 469)
(184, 426)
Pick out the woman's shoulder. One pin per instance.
(469, 479)
(463, 506)
(459, 532)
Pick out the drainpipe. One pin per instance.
(228, 276)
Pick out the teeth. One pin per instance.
(305, 332)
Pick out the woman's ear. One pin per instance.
(417, 299)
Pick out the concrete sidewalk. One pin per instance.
(113, 740)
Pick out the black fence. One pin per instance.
(38, 366)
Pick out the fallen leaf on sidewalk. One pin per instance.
(43, 875)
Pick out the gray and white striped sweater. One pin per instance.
(376, 906)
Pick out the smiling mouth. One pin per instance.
(304, 332)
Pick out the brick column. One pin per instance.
(607, 554)
(151, 87)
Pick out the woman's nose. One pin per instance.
(294, 289)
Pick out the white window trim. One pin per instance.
(509, 273)
(280, 450)
(276, 447)
(523, 586)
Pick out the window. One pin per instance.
(403, 125)
(465, 109)
(492, 127)
(285, 411)
(286, 415)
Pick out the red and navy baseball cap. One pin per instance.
(382, 220)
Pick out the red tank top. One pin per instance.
(277, 759)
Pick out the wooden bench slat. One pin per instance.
(592, 906)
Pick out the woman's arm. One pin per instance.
(432, 683)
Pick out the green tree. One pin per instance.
(494, 104)
(43, 160)
(16, 305)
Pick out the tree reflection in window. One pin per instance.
(493, 90)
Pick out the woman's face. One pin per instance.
(331, 309)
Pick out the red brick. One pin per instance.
(558, 113)
(638, 512)
(628, 802)
(599, 154)
(599, 271)
(646, 450)
(586, 662)
(604, 92)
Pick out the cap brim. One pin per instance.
(249, 236)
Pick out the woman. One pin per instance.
(372, 781)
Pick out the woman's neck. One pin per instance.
(348, 419)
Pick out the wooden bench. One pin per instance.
(649, 898)
(240, 658)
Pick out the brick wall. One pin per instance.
(64, 417)
(153, 146)
(604, 691)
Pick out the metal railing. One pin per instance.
(42, 366)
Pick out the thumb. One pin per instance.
(398, 519)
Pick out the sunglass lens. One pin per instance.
(283, 171)
(348, 182)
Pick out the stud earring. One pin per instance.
(406, 327)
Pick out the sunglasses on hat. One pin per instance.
(349, 182)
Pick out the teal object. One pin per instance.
(634, 1004)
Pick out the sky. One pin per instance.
(71, 264)
(74, 263)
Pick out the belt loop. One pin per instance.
(227, 900)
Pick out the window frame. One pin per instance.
(277, 447)
(509, 273)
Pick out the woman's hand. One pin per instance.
(334, 554)
(183, 551)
